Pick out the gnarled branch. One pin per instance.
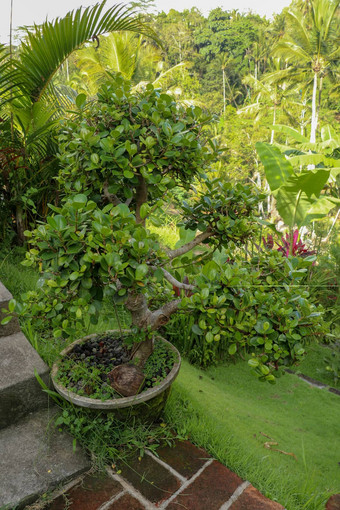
(172, 254)
(113, 199)
(171, 279)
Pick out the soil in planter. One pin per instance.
(85, 369)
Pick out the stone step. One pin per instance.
(20, 392)
(36, 457)
(13, 325)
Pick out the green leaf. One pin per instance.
(280, 128)
(6, 320)
(297, 200)
(196, 329)
(232, 349)
(95, 158)
(144, 211)
(57, 222)
(80, 100)
(311, 182)
(141, 271)
(128, 174)
(12, 305)
(277, 168)
(307, 159)
(79, 201)
(320, 208)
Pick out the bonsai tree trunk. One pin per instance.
(147, 320)
(151, 320)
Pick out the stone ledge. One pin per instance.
(20, 392)
(35, 457)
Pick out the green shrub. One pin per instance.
(261, 306)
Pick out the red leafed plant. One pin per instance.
(177, 290)
(290, 245)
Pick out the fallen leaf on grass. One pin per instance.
(269, 445)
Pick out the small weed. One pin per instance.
(159, 364)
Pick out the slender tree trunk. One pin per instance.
(314, 112)
(319, 100)
(20, 224)
(302, 117)
(232, 99)
(274, 121)
(223, 75)
(145, 319)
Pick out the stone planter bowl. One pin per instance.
(147, 405)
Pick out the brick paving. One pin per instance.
(181, 478)
(333, 502)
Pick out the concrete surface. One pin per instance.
(36, 457)
(20, 393)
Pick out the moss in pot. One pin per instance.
(124, 159)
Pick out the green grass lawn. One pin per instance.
(314, 366)
(230, 413)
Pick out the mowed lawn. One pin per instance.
(238, 419)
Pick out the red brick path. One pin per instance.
(182, 478)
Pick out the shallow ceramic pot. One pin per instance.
(148, 404)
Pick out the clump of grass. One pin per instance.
(110, 440)
(17, 278)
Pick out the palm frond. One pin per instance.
(7, 74)
(169, 73)
(46, 49)
(291, 51)
(298, 32)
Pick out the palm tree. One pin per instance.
(119, 52)
(27, 94)
(270, 96)
(312, 46)
(225, 61)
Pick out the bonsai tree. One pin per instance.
(123, 157)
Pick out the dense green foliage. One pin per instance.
(260, 306)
